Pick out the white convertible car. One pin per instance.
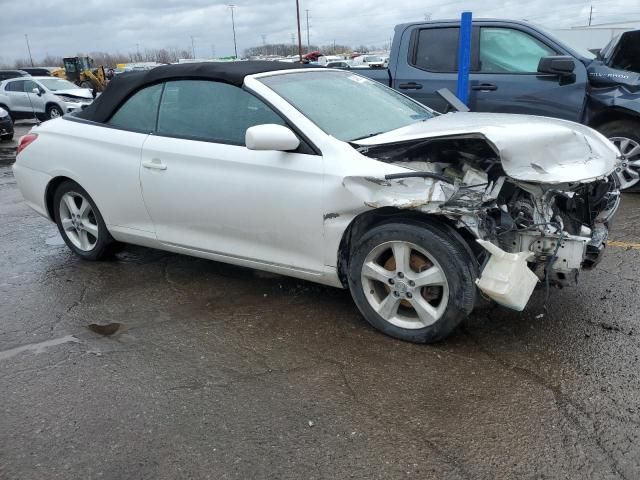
(327, 176)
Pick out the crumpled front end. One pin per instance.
(559, 226)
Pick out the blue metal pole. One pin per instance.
(464, 57)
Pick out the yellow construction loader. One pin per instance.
(79, 71)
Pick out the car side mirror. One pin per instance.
(271, 137)
(561, 65)
(37, 91)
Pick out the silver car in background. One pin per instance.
(42, 97)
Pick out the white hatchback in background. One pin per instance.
(42, 97)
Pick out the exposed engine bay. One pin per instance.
(562, 227)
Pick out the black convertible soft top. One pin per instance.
(125, 84)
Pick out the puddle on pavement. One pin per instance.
(7, 155)
(139, 255)
(106, 330)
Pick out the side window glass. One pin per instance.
(504, 50)
(213, 111)
(437, 50)
(17, 86)
(139, 112)
(29, 85)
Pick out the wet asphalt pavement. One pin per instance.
(206, 370)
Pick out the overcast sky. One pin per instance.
(67, 27)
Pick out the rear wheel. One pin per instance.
(412, 281)
(80, 223)
(54, 111)
(625, 135)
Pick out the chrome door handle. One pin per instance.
(155, 164)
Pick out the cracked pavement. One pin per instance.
(221, 372)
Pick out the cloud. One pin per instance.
(68, 27)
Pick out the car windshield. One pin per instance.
(347, 106)
(54, 84)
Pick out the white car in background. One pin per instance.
(42, 97)
(330, 177)
(368, 61)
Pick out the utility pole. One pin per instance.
(28, 48)
(299, 34)
(233, 25)
(590, 14)
(308, 43)
(193, 48)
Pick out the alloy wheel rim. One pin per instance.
(628, 170)
(55, 113)
(78, 221)
(405, 285)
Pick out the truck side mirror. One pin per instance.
(561, 65)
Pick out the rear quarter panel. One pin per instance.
(104, 161)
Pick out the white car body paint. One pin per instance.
(277, 211)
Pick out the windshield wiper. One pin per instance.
(367, 136)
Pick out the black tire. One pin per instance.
(104, 243)
(54, 111)
(623, 129)
(7, 138)
(4, 107)
(446, 247)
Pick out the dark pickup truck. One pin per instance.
(519, 68)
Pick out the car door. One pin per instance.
(506, 78)
(18, 100)
(206, 192)
(431, 64)
(35, 102)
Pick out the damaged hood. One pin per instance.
(80, 93)
(531, 149)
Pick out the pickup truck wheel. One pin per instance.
(411, 281)
(54, 111)
(80, 223)
(625, 135)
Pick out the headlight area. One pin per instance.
(525, 232)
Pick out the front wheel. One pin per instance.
(625, 135)
(412, 281)
(54, 111)
(80, 223)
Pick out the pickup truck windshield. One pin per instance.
(347, 106)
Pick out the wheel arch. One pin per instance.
(612, 115)
(51, 103)
(365, 221)
(50, 191)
